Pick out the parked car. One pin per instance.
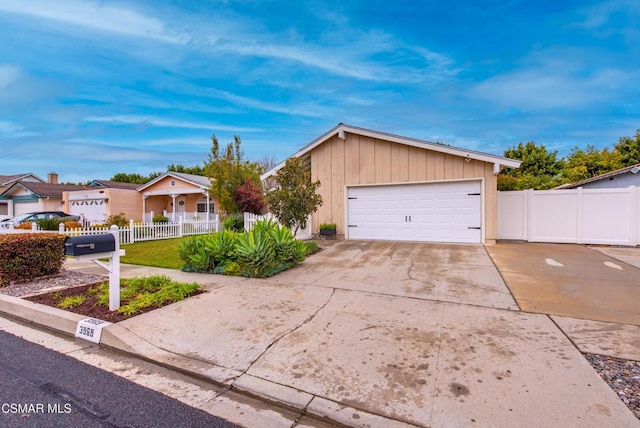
(35, 216)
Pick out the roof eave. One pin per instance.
(341, 128)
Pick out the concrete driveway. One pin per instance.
(572, 280)
(441, 272)
(381, 334)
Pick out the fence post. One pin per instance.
(579, 220)
(61, 227)
(131, 232)
(634, 218)
(180, 225)
(34, 226)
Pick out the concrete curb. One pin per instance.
(45, 316)
(122, 340)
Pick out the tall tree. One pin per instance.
(539, 169)
(583, 164)
(228, 170)
(294, 198)
(629, 149)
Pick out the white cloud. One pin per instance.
(8, 75)
(166, 123)
(12, 130)
(549, 83)
(97, 16)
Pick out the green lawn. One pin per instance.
(162, 253)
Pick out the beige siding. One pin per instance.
(165, 185)
(124, 201)
(365, 160)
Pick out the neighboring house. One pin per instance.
(6, 181)
(382, 186)
(30, 196)
(175, 195)
(101, 199)
(624, 177)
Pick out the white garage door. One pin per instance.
(92, 210)
(434, 212)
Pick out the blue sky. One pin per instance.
(92, 88)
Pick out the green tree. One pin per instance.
(194, 170)
(629, 149)
(540, 168)
(294, 198)
(583, 164)
(122, 177)
(228, 171)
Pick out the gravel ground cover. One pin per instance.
(623, 376)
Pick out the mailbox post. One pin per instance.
(95, 247)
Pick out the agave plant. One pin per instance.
(255, 253)
(283, 243)
(221, 246)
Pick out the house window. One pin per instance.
(202, 206)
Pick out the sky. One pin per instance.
(89, 89)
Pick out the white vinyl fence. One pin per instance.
(136, 232)
(251, 219)
(579, 216)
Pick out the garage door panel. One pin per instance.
(431, 212)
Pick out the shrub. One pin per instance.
(234, 222)
(312, 247)
(328, 226)
(30, 255)
(160, 219)
(51, 223)
(264, 251)
(27, 225)
(118, 220)
(72, 224)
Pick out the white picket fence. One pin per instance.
(579, 216)
(251, 219)
(136, 232)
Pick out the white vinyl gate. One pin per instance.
(579, 216)
(430, 212)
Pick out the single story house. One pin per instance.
(620, 178)
(6, 181)
(29, 196)
(175, 195)
(381, 186)
(101, 199)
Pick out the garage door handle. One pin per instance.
(472, 227)
(473, 194)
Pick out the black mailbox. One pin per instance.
(89, 244)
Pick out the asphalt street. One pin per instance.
(43, 388)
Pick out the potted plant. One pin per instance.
(328, 229)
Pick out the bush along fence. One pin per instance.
(251, 219)
(136, 232)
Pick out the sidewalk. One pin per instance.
(368, 359)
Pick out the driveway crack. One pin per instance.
(293, 330)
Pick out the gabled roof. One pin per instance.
(114, 185)
(341, 128)
(606, 176)
(5, 180)
(198, 180)
(43, 190)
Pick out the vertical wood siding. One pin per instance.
(365, 160)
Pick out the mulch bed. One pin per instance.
(89, 307)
